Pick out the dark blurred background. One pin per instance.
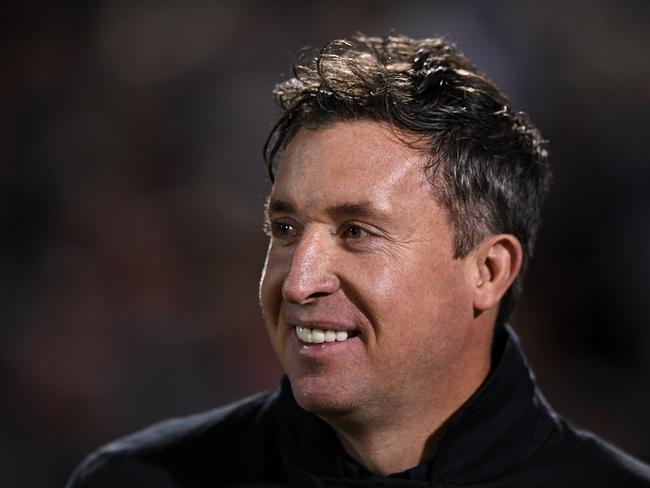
(132, 184)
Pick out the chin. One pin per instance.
(321, 397)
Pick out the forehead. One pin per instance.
(356, 160)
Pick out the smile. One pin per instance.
(318, 336)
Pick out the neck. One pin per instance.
(401, 436)
(391, 450)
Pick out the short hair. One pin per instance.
(486, 162)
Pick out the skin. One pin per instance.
(360, 243)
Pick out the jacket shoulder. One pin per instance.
(178, 447)
(576, 457)
(608, 461)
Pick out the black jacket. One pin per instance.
(506, 435)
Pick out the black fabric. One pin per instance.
(506, 435)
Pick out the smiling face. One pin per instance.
(360, 248)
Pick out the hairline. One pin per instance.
(432, 169)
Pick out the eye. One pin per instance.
(352, 231)
(283, 230)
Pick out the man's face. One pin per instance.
(360, 247)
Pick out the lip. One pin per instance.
(323, 349)
(314, 322)
(317, 324)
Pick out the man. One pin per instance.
(403, 214)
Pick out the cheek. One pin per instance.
(424, 297)
(271, 287)
(383, 287)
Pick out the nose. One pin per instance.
(311, 274)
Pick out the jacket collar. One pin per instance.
(500, 427)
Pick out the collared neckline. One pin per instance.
(499, 428)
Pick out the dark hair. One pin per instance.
(487, 163)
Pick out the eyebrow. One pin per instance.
(355, 210)
(278, 206)
(341, 210)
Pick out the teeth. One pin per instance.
(304, 334)
(318, 336)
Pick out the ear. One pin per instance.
(498, 260)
